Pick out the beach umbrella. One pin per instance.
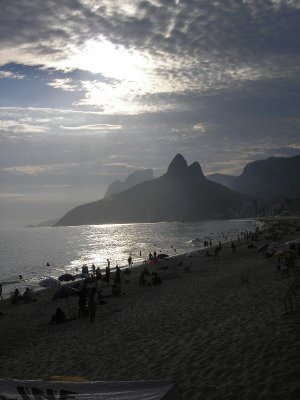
(49, 282)
(66, 278)
(64, 292)
(161, 256)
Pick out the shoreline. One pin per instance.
(57, 267)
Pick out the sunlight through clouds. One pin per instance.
(141, 80)
(101, 56)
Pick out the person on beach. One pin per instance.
(107, 273)
(1, 291)
(59, 317)
(233, 247)
(118, 276)
(28, 295)
(129, 261)
(92, 304)
(98, 276)
(216, 253)
(207, 254)
(82, 300)
(16, 296)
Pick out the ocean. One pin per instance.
(27, 251)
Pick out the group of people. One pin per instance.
(87, 302)
(27, 296)
(89, 297)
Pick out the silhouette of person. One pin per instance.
(92, 304)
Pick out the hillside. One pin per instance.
(272, 177)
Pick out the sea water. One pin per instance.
(27, 251)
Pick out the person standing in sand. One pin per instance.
(82, 300)
(118, 276)
(1, 291)
(92, 304)
(233, 247)
(107, 273)
(129, 261)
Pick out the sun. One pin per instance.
(113, 61)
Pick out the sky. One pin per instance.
(92, 90)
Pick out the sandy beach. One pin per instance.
(218, 330)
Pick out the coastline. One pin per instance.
(203, 329)
(67, 249)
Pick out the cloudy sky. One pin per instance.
(91, 90)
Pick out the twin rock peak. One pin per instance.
(179, 167)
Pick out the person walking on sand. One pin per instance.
(216, 253)
(92, 304)
(118, 276)
(107, 274)
(129, 260)
(233, 247)
(82, 300)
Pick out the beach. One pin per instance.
(216, 327)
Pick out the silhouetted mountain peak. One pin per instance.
(182, 194)
(195, 170)
(178, 166)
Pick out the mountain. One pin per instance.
(133, 179)
(272, 177)
(223, 179)
(181, 194)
